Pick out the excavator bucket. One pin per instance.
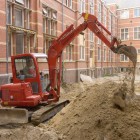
(13, 116)
(129, 51)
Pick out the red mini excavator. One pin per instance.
(27, 97)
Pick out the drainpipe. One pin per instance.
(6, 39)
(62, 77)
(111, 39)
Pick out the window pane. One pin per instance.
(18, 17)
(124, 14)
(19, 43)
(20, 1)
(135, 35)
(9, 45)
(8, 14)
(136, 12)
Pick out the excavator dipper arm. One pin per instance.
(55, 50)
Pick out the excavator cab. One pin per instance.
(27, 68)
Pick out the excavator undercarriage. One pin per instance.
(35, 115)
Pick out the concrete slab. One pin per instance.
(85, 78)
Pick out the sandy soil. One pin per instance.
(91, 115)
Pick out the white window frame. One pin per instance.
(99, 54)
(68, 3)
(99, 41)
(109, 55)
(91, 9)
(124, 14)
(125, 58)
(27, 19)
(125, 37)
(82, 6)
(105, 17)
(138, 51)
(27, 3)
(82, 52)
(91, 36)
(104, 53)
(17, 8)
(109, 21)
(9, 14)
(138, 32)
(99, 11)
(20, 1)
(135, 16)
(69, 52)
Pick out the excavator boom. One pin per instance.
(90, 22)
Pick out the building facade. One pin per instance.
(129, 31)
(28, 26)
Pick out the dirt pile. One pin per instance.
(27, 132)
(92, 116)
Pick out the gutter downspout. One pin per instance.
(62, 77)
(7, 50)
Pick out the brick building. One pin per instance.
(30, 26)
(128, 27)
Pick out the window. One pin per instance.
(99, 54)
(99, 11)
(91, 50)
(124, 34)
(99, 41)
(104, 17)
(104, 53)
(137, 33)
(8, 14)
(27, 19)
(91, 46)
(82, 6)
(68, 3)
(123, 58)
(69, 52)
(91, 7)
(124, 14)
(91, 54)
(47, 44)
(18, 17)
(109, 21)
(19, 43)
(19, 9)
(137, 12)
(20, 1)
(27, 3)
(112, 56)
(138, 51)
(91, 36)
(82, 52)
(9, 45)
(49, 21)
(109, 58)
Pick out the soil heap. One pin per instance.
(93, 116)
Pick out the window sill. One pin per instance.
(81, 60)
(4, 60)
(67, 61)
(124, 61)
